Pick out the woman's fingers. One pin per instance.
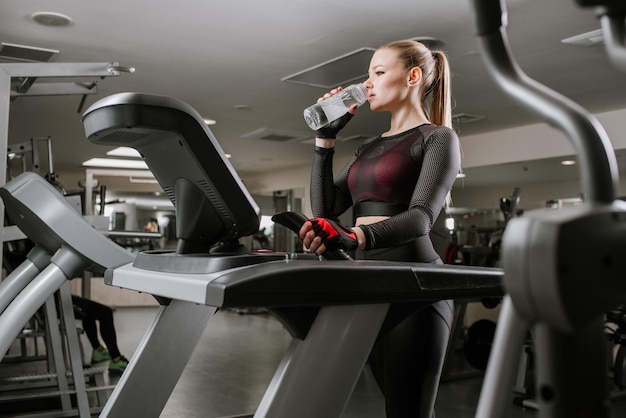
(330, 94)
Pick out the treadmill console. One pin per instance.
(212, 204)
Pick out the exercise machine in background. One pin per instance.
(30, 74)
(563, 268)
(65, 246)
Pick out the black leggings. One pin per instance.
(407, 359)
(89, 312)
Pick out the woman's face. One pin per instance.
(388, 82)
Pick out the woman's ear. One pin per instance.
(415, 76)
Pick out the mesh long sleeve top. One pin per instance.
(413, 170)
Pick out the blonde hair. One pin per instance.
(435, 94)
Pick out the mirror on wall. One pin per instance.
(130, 206)
(473, 235)
(271, 236)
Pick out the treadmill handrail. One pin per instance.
(313, 283)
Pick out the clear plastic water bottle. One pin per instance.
(328, 110)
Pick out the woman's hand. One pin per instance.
(326, 135)
(332, 93)
(318, 234)
(311, 241)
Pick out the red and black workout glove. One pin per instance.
(330, 130)
(334, 235)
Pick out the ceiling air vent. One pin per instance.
(277, 135)
(339, 71)
(25, 53)
(466, 118)
(592, 38)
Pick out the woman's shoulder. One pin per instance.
(432, 128)
(438, 133)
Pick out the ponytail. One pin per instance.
(441, 97)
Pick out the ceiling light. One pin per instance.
(460, 176)
(142, 180)
(51, 19)
(209, 121)
(124, 152)
(115, 163)
(568, 162)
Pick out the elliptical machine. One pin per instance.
(563, 269)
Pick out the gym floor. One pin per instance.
(237, 356)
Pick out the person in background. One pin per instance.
(90, 312)
(397, 184)
(152, 226)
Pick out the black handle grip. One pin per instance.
(291, 220)
(294, 221)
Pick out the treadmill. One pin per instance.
(333, 309)
(65, 246)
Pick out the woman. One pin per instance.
(398, 183)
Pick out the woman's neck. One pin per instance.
(406, 119)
